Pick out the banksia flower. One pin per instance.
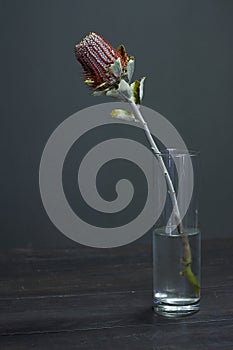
(103, 65)
(108, 71)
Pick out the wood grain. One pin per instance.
(88, 298)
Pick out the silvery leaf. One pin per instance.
(116, 68)
(141, 86)
(114, 93)
(125, 89)
(130, 69)
(99, 93)
(122, 114)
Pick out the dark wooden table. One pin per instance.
(90, 298)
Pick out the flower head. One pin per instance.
(108, 71)
(103, 65)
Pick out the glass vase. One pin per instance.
(177, 239)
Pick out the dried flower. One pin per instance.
(103, 65)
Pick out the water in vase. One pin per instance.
(173, 294)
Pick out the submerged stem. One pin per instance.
(187, 257)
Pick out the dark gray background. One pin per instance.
(183, 47)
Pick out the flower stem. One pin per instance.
(187, 256)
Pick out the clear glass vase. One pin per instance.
(177, 244)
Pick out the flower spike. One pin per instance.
(107, 71)
(103, 65)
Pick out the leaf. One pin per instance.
(125, 89)
(114, 93)
(99, 93)
(141, 86)
(116, 68)
(122, 114)
(135, 88)
(130, 68)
